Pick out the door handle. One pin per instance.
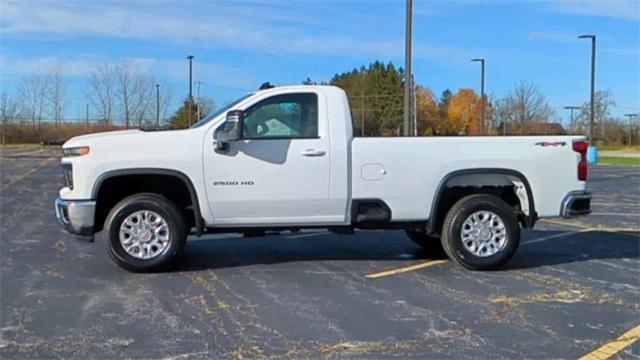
(313, 152)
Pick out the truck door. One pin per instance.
(279, 173)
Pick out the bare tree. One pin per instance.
(57, 94)
(602, 119)
(32, 92)
(8, 108)
(490, 113)
(523, 105)
(207, 106)
(504, 114)
(134, 93)
(100, 91)
(144, 101)
(8, 113)
(166, 96)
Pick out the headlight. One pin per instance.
(75, 151)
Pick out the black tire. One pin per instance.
(429, 243)
(162, 206)
(453, 222)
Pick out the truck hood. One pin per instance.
(121, 136)
(84, 140)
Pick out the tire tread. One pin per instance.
(448, 238)
(179, 223)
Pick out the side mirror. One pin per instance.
(230, 130)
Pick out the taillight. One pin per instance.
(581, 147)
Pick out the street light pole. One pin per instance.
(408, 86)
(198, 102)
(157, 104)
(362, 115)
(571, 108)
(481, 61)
(593, 85)
(190, 57)
(630, 116)
(414, 115)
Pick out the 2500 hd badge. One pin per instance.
(233, 183)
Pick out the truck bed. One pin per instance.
(406, 172)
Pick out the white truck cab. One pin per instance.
(285, 158)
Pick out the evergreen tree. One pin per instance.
(375, 95)
(180, 120)
(445, 99)
(308, 81)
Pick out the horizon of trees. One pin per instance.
(126, 93)
(522, 110)
(114, 93)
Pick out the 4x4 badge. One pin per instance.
(551, 143)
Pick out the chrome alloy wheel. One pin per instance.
(483, 233)
(144, 234)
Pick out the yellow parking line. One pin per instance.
(567, 233)
(563, 234)
(28, 152)
(307, 234)
(560, 222)
(587, 228)
(615, 230)
(27, 173)
(613, 347)
(404, 269)
(613, 214)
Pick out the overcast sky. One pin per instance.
(240, 44)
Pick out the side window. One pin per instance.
(283, 116)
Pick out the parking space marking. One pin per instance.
(566, 223)
(404, 269)
(613, 214)
(27, 173)
(587, 227)
(26, 153)
(613, 347)
(615, 203)
(617, 230)
(307, 234)
(563, 234)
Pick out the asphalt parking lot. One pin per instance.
(573, 286)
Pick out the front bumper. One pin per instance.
(76, 216)
(577, 203)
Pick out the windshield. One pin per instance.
(214, 114)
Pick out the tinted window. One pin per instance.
(283, 116)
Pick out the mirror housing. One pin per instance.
(230, 130)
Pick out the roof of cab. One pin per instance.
(302, 87)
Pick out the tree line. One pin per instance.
(376, 96)
(126, 94)
(123, 94)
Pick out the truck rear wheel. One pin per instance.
(431, 244)
(480, 232)
(145, 232)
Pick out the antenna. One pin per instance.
(266, 86)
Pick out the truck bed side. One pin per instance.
(406, 173)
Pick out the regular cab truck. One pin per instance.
(285, 158)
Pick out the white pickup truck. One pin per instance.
(285, 159)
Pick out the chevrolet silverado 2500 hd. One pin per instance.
(285, 159)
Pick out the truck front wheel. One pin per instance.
(145, 232)
(480, 232)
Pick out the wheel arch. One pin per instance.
(182, 177)
(435, 217)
